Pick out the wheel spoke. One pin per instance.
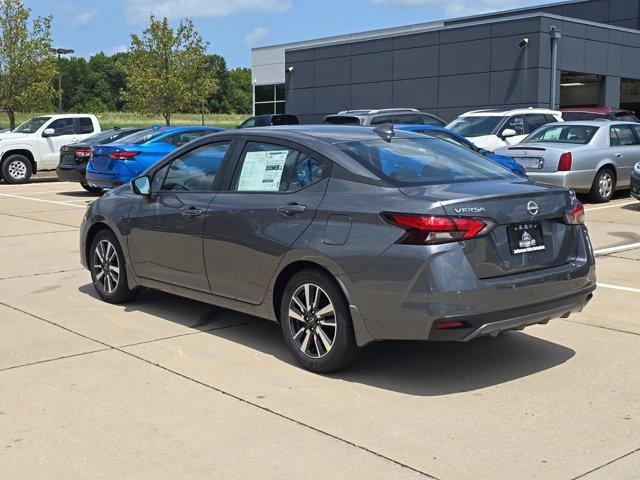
(316, 298)
(305, 342)
(99, 274)
(298, 303)
(99, 253)
(328, 323)
(307, 296)
(297, 334)
(107, 283)
(295, 315)
(114, 269)
(323, 337)
(327, 310)
(315, 342)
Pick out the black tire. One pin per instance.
(16, 169)
(111, 285)
(315, 326)
(91, 189)
(604, 186)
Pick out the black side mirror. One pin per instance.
(141, 185)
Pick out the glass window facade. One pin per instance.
(268, 99)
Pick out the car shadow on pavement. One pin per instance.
(77, 193)
(415, 368)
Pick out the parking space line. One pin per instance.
(42, 200)
(612, 205)
(619, 248)
(619, 287)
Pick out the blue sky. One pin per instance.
(232, 27)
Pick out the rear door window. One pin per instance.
(535, 121)
(406, 119)
(517, 124)
(85, 125)
(381, 119)
(264, 167)
(621, 135)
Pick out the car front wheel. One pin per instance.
(316, 323)
(108, 271)
(16, 169)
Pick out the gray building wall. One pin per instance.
(457, 68)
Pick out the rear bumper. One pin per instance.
(479, 326)
(105, 180)
(635, 185)
(580, 180)
(71, 173)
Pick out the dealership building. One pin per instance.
(497, 60)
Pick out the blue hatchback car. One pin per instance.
(453, 137)
(115, 164)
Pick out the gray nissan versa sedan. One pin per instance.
(344, 235)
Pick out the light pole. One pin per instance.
(555, 35)
(59, 52)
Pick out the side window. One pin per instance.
(429, 120)
(85, 125)
(535, 121)
(183, 138)
(406, 119)
(636, 129)
(63, 126)
(307, 171)
(250, 122)
(621, 135)
(264, 168)
(516, 123)
(195, 170)
(550, 118)
(381, 119)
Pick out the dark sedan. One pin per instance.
(74, 157)
(344, 235)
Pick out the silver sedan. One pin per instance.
(595, 157)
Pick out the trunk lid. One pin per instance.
(538, 157)
(516, 207)
(101, 160)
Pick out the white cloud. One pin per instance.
(138, 11)
(80, 19)
(254, 36)
(461, 7)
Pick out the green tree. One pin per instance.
(239, 96)
(166, 70)
(27, 66)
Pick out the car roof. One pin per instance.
(592, 123)
(378, 111)
(327, 133)
(180, 128)
(595, 110)
(494, 112)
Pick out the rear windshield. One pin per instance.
(143, 136)
(578, 134)
(422, 161)
(341, 120)
(284, 120)
(475, 126)
(626, 117)
(571, 116)
(109, 136)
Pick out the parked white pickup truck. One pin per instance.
(35, 145)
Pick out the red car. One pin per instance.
(593, 113)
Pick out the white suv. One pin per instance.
(35, 145)
(490, 129)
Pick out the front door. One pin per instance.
(272, 199)
(165, 228)
(64, 134)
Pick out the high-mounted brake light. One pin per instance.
(434, 229)
(575, 214)
(564, 165)
(123, 155)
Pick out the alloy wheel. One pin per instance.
(106, 266)
(605, 184)
(312, 320)
(17, 170)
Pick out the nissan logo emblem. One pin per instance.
(532, 207)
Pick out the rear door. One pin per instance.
(518, 124)
(165, 239)
(272, 198)
(626, 151)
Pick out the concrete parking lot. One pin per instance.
(165, 387)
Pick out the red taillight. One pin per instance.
(83, 152)
(123, 155)
(432, 229)
(564, 165)
(575, 214)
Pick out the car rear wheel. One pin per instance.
(91, 189)
(108, 270)
(16, 169)
(603, 186)
(316, 323)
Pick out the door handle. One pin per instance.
(291, 209)
(192, 212)
(618, 154)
